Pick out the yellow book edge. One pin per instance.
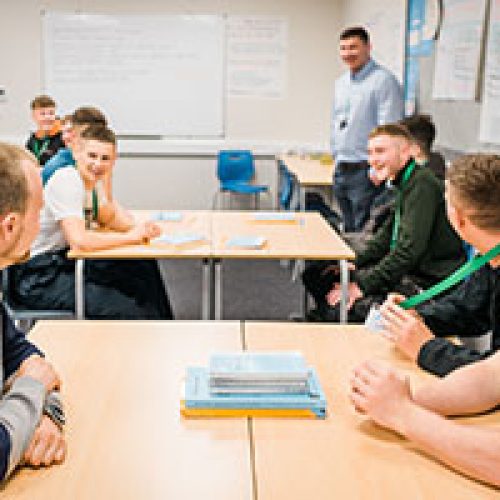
(245, 412)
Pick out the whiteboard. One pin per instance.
(151, 75)
(490, 109)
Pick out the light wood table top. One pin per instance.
(192, 222)
(309, 172)
(345, 456)
(126, 439)
(308, 237)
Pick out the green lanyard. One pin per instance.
(95, 203)
(460, 274)
(40, 150)
(397, 214)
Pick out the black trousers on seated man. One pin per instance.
(319, 279)
(114, 289)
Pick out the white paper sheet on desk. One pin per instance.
(178, 239)
(167, 216)
(246, 242)
(275, 216)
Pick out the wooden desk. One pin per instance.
(308, 173)
(345, 456)
(309, 237)
(126, 439)
(192, 222)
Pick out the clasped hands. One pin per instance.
(334, 295)
(47, 445)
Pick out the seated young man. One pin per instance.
(416, 247)
(473, 191)
(47, 139)
(30, 410)
(423, 131)
(473, 307)
(115, 289)
(72, 127)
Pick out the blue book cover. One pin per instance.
(273, 365)
(168, 216)
(254, 242)
(198, 395)
(178, 239)
(275, 217)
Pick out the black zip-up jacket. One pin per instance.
(54, 144)
(470, 310)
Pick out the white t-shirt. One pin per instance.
(64, 196)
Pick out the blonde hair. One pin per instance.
(392, 130)
(13, 184)
(475, 181)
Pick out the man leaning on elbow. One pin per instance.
(30, 409)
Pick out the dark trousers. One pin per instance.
(114, 289)
(355, 193)
(319, 279)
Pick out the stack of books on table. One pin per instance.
(254, 384)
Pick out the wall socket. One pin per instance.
(3, 94)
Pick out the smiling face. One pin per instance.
(388, 155)
(354, 52)
(94, 160)
(44, 118)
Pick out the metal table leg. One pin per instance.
(217, 289)
(79, 289)
(206, 289)
(302, 200)
(344, 284)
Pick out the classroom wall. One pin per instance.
(457, 122)
(167, 171)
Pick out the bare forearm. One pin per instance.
(90, 240)
(467, 390)
(115, 217)
(471, 450)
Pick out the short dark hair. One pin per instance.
(13, 183)
(392, 130)
(475, 181)
(99, 133)
(88, 115)
(355, 31)
(422, 129)
(42, 101)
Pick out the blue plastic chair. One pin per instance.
(235, 170)
(286, 189)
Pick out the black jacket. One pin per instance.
(470, 310)
(428, 249)
(36, 146)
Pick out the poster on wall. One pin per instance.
(456, 72)
(490, 109)
(257, 56)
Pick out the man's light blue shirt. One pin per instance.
(372, 96)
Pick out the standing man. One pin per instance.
(366, 96)
(30, 410)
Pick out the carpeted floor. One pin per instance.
(252, 290)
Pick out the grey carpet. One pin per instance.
(252, 290)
